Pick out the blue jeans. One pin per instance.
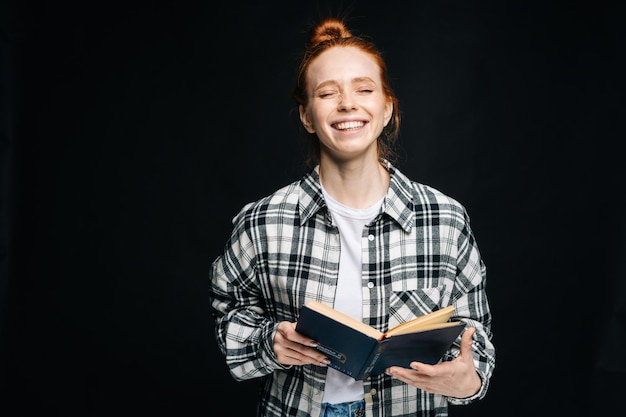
(353, 409)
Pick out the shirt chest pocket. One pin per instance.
(409, 304)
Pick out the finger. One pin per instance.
(294, 351)
(297, 338)
(297, 354)
(423, 368)
(288, 331)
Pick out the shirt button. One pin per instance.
(370, 237)
(370, 285)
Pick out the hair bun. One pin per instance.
(329, 28)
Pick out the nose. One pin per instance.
(346, 102)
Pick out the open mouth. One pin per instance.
(352, 125)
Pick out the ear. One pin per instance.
(388, 112)
(304, 118)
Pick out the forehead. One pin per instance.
(342, 64)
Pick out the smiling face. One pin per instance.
(347, 108)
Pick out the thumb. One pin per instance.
(466, 342)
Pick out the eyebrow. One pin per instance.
(354, 80)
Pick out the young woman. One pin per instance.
(356, 234)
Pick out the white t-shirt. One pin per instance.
(348, 299)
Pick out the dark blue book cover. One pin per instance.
(347, 349)
(427, 346)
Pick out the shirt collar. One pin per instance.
(398, 204)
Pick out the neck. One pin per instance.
(357, 185)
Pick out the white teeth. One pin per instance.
(349, 125)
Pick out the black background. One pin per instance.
(132, 133)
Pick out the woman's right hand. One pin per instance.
(292, 348)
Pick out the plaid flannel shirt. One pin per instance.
(418, 254)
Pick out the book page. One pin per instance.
(435, 319)
(406, 330)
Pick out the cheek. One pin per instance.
(316, 117)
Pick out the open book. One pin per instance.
(359, 350)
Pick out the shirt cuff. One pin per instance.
(480, 394)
